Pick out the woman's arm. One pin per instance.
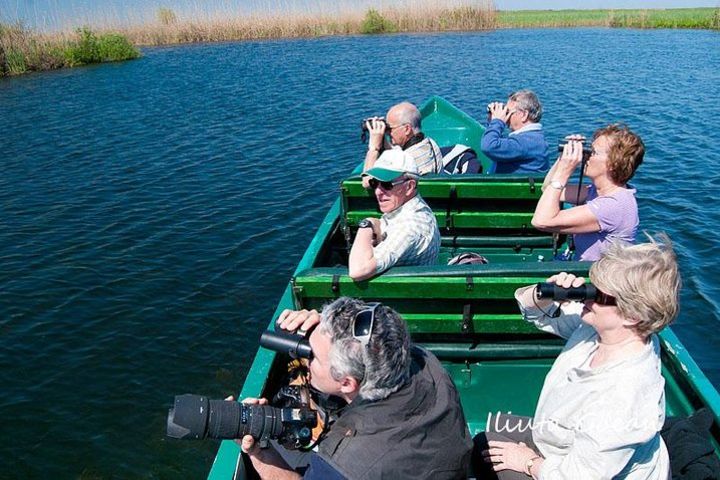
(544, 312)
(548, 215)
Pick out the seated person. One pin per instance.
(602, 406)
(606, 210)
(402, 125)
(403, 418)
(407, 233)
(524, 150)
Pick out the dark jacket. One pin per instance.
(417, 432)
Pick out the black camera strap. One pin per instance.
(414, 140)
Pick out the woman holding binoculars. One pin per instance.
(604, 211)
(602, 405)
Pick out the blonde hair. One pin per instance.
(645, 280)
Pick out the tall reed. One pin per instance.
(412, 16)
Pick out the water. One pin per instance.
(152, 211)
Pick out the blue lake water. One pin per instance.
(152, 211)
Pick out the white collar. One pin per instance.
(530, 127)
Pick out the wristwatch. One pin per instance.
(529, 464)
(365, 223)
(557, 185)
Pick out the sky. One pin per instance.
(64, 14)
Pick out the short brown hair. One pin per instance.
(625, 154)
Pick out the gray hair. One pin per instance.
(384, 365)
(527, 101)
(645, 280)
(408, 113)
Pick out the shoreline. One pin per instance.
(23, 50)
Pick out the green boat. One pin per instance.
(464, 314)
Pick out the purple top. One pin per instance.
(618, 217)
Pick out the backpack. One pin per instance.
(459, 159)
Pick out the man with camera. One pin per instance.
(402, 125)
(407, 233)
(403, 417)
(524, 150)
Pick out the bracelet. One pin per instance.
(529, 465)
(373, 149)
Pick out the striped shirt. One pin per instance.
(427, 156)
(410, 236)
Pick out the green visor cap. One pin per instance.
(383, 174)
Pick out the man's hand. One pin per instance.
(247, 443)
(298, 320)
(376, 127)
(499, 111)
(377, 231)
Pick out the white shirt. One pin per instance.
(603, 422)
(410, 236)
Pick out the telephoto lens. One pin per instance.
(555, 292)
(197, 417)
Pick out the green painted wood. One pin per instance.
(465, 219)
(471, 186)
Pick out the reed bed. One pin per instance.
(701, 18)
(423, 16)
(23, 50)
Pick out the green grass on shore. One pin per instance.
(701, 18)
(22, 50)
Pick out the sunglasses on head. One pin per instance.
(374, 183)
(363, 323)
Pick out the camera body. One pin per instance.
(555, 292)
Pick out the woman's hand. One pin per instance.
(566, 280)
(300, 320)
(570, 158)
(508, 455)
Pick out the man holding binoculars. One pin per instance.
(525, 149)
(402, 126)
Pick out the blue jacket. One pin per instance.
(525, 152)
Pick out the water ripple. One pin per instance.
(153, 210)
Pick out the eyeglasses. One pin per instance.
(603, 298)
(363, 323)
(389, 128)
(374, 183)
